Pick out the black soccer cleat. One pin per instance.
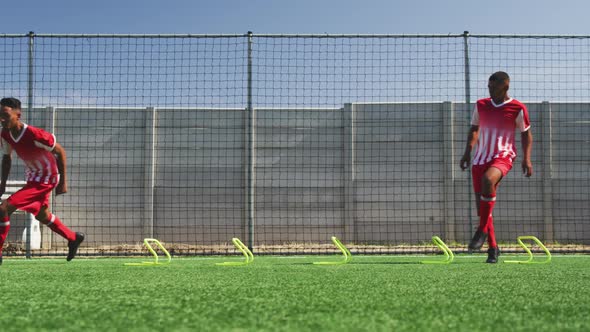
(479, 238)
(0, 258)
(74, 245)
(493, 254)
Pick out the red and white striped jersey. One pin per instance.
(33, 146)
(497, 125)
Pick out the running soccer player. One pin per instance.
(45, 161)
(493, 124)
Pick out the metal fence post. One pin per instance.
(467, 102)
(30, 111)
(149, 171)
(250, 133)
(49, 124)
(467, 67)
(349, 116)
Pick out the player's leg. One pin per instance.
(480, 235)
(54, 223)
(477, 201)
(503, 166)
(489, 183)
(493, 250)
(6, 210)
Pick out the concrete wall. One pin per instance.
(369, 173)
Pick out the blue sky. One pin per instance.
(211, 71)
(298, 16)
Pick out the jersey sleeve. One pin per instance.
(6, 148)
(523, 122)
(44, 140)
(475, 116)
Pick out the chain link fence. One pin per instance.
(287, 140)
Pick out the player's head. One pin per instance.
(10, 112)
(498, 85)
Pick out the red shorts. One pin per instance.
(477, 171)
(32, 197)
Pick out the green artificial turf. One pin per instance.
(380, 293)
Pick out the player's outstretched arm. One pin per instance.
(471, 141)
(60, 157)
(527, 147)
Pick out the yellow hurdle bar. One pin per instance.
(245, 251)
(528, 251)
(345, 252)
(153, 252)
(449, 256)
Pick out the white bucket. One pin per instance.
(35, 233)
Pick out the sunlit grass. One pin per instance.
(291, 294)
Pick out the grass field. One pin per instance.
(382, 293)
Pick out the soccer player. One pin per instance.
(45, 161)
(493, 124)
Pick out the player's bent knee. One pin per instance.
(43, 217)
(487, 182)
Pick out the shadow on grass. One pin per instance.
(471, 260)
(385, 263)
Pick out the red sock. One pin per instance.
(491, 235)
(486, 205)
(4, 228)
(55, 225)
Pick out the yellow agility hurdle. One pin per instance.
(245, 251)
(449, 256)
(153, 252)
(528, 251)
(345, 252)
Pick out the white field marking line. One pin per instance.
(294, 257)
(423, 256)
(558, 256)
(383, 256)
(230, 256)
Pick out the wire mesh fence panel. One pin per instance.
(154, 132)
(333, 156)
(287, 140)
(551, 204)
(14, 74)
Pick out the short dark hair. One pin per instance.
(499, 76)
(10, 102)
